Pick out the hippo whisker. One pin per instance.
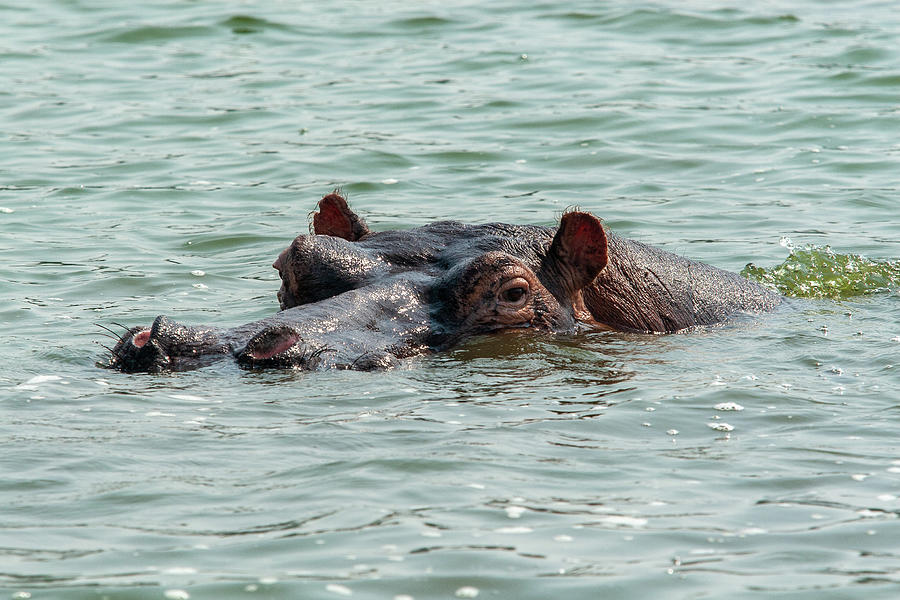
(357, 359)
(121, 337)
(320, 351)
(316, 354)
(112, 334)
(111, 351)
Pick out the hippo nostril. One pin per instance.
(139, 339)
(280, 345)
(271, 343)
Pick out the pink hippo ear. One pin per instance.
(335, 218)
(578, 253)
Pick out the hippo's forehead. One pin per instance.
(442, 245)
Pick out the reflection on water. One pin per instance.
(519, 359)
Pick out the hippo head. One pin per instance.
(353, 298)
(465, 279)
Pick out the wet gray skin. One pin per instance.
(356, 299)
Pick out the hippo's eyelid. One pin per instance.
(514, 291)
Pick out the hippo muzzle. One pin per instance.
(166, 346)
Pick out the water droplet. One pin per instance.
(728, 406)
(672, 432)
(198, 273)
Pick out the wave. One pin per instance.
(819, 272)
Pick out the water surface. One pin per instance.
(157, 158)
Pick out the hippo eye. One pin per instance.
(514, 292)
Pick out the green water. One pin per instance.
(156, 158)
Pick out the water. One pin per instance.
(157, 158)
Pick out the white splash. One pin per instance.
(720, 426)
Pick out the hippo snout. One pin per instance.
(165, 346)
(141, 349)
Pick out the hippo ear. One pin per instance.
(577, 254)
(335, 218)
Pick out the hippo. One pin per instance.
(352, 298)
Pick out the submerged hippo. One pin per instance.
(356, 299)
